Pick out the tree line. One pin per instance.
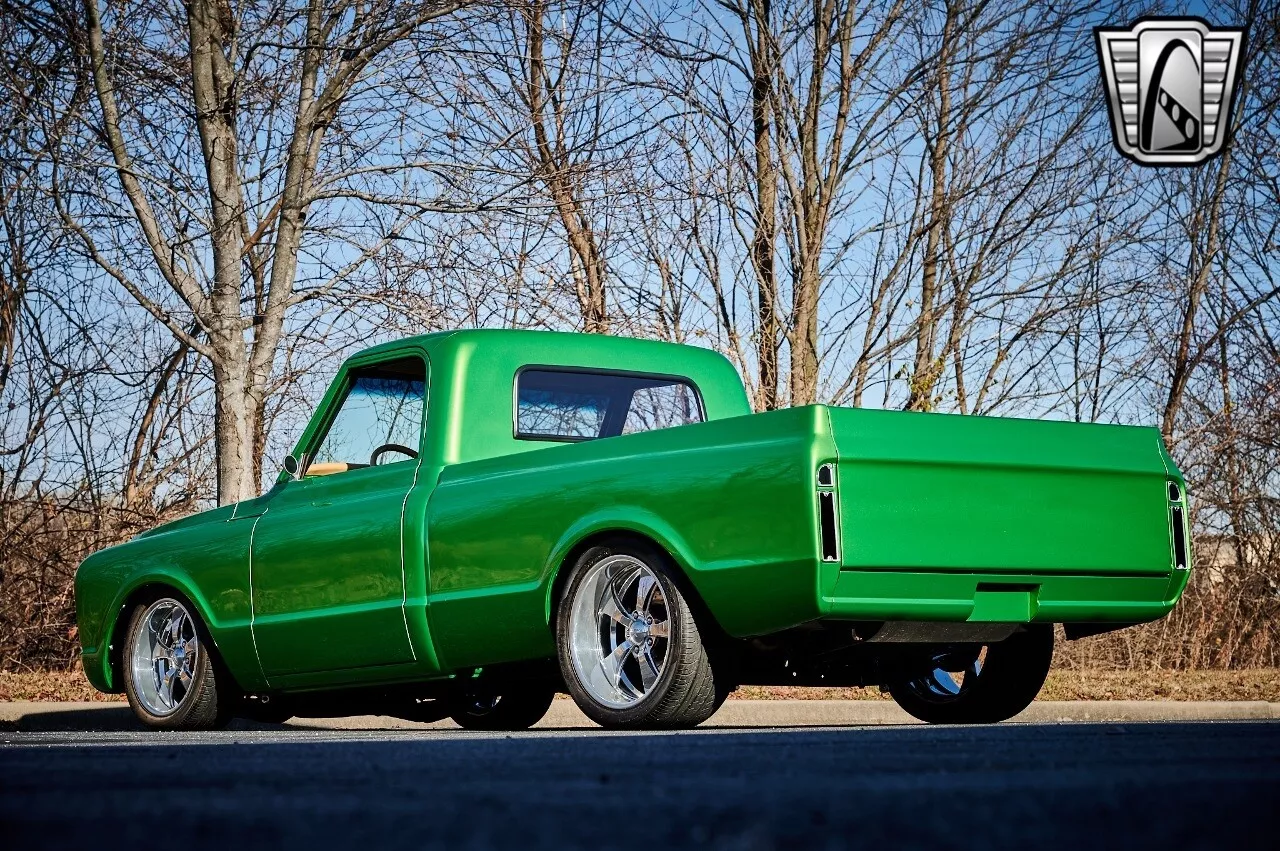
(205, 204)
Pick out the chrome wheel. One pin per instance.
(974, 684)
(164, 656)
(620, 631)
(952, 674)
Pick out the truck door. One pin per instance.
(328, 569)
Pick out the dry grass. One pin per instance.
(1260, 684)
(1256, 684)
(50, 685)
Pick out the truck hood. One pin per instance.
(220, 514)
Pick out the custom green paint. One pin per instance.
(432, 567)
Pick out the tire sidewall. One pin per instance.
(676, 613)
(204, 664)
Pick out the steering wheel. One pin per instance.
(390, 447)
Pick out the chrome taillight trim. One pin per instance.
(1181, 556)
(827, 526)
(1178, 523)
(828, 515)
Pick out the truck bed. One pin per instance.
(948, 517)
(936, 517)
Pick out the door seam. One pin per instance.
(404, 577)
(253, 608)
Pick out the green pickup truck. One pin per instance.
(476, 520)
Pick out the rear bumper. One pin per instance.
(1001, 597)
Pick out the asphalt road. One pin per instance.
(1091, 786)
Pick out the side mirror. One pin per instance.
(294, 466)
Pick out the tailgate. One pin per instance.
(930, 492)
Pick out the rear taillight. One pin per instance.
(828, 515)
(1178, 520)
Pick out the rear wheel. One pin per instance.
(169, 672)
(630, 650)
(976, 684)
(518, 710)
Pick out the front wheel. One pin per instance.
(630, 650)
(169, 670)
(976, 684)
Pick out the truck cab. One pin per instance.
(341, 545)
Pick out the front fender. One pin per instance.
(208, 564)
(97, 658)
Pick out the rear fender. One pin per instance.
(627, 519)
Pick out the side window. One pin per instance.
(383, 411)
(579, 405)
(662, 406)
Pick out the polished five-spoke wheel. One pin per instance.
(630, 650)
(164, 656)
(952, 672)
(168, 669)
(620, 630)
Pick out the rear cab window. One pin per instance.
(575, 405)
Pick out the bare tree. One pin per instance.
(554, 161)
(234, 300)
(555, 92)
(812, 82)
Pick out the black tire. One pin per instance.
(1010, 678)
(517, 710)
(688, 690)
(208, 702)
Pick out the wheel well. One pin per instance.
(620, 538)
(120, 630)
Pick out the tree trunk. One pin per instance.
(556, 173)
(233, 431)
(926, 367)
(764, 239)
(241, 346)
(1200, 266)
(804, 337)
(214, 96)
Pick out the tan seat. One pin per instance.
(328, 468)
